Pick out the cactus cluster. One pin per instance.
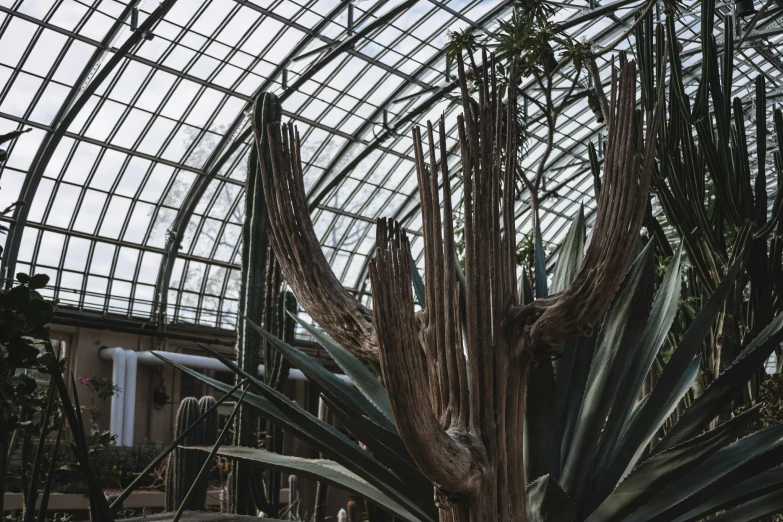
(185, 464)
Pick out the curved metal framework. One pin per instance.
(134, 171)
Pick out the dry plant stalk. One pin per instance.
(466, 433)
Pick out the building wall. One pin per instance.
(82, 346)
(152, 423)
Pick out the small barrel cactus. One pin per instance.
(184, 464)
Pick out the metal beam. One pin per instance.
(194, 196)
(76, 99)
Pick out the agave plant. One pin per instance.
(531, 398)
(489, 393)
(482, 410)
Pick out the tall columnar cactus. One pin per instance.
(266, 109)
(278, 307)
(184, 464)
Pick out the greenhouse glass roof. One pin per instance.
(134, 169)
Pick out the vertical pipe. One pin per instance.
(117, 355)
(129, 398)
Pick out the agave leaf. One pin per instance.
(539, 418)
(743, 459)
(754, 510)
(418, 283)
(197, 516)
(542, 410)
(539, 258)
(726, 386)
(363, 378)
(323, 470)
(768, 482)
(664, 310)
(325, 379)
(386, 446)
(667, 388)
(315, 433)
(653, 475)
(578, 353)
(621, 329)
(546, 500)
(571, 253)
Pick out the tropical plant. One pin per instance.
(101, 389)
(474, 396)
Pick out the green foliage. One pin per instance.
(600, 433)
(102, 388)
(24, 322)
(712, 183)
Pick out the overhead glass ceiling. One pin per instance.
(135, 167)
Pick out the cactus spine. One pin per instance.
(185, 464)
(266, 109)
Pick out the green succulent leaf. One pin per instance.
(754, 510)
(661, 318)
(726, 386)
(669, 387)
(318, 435)
(323, 470)
(571, 253)
(363, 378)
(418, 283)
(768, 482)
(745, 458)
(622, 327)
(546, 500)
(656, 473)
(326, 380)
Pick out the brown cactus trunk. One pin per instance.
(456, 377)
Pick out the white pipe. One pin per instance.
(124, 375)
(209, 363)
(118, 357)
(129, 404)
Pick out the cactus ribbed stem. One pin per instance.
(255, 245)
(185, 464)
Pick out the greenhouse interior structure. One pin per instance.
(391, 260)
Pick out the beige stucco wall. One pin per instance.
(82, 347)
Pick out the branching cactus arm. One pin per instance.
(303, 263)
(444, 459)
(616, 231)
